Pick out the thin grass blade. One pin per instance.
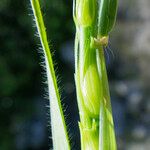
(107, 140)
(59, 129)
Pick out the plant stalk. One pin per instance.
(96, 122)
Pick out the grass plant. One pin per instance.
(94, 19)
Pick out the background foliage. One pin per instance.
(23, 124)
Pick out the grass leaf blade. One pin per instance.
(59, 129)
(107, 140)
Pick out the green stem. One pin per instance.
(96, 123)
(86, 72)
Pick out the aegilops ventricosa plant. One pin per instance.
(94, 19)
(90, 74)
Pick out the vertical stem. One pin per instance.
(96, 123)
(87, 64)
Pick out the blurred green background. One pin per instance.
(23, 113)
